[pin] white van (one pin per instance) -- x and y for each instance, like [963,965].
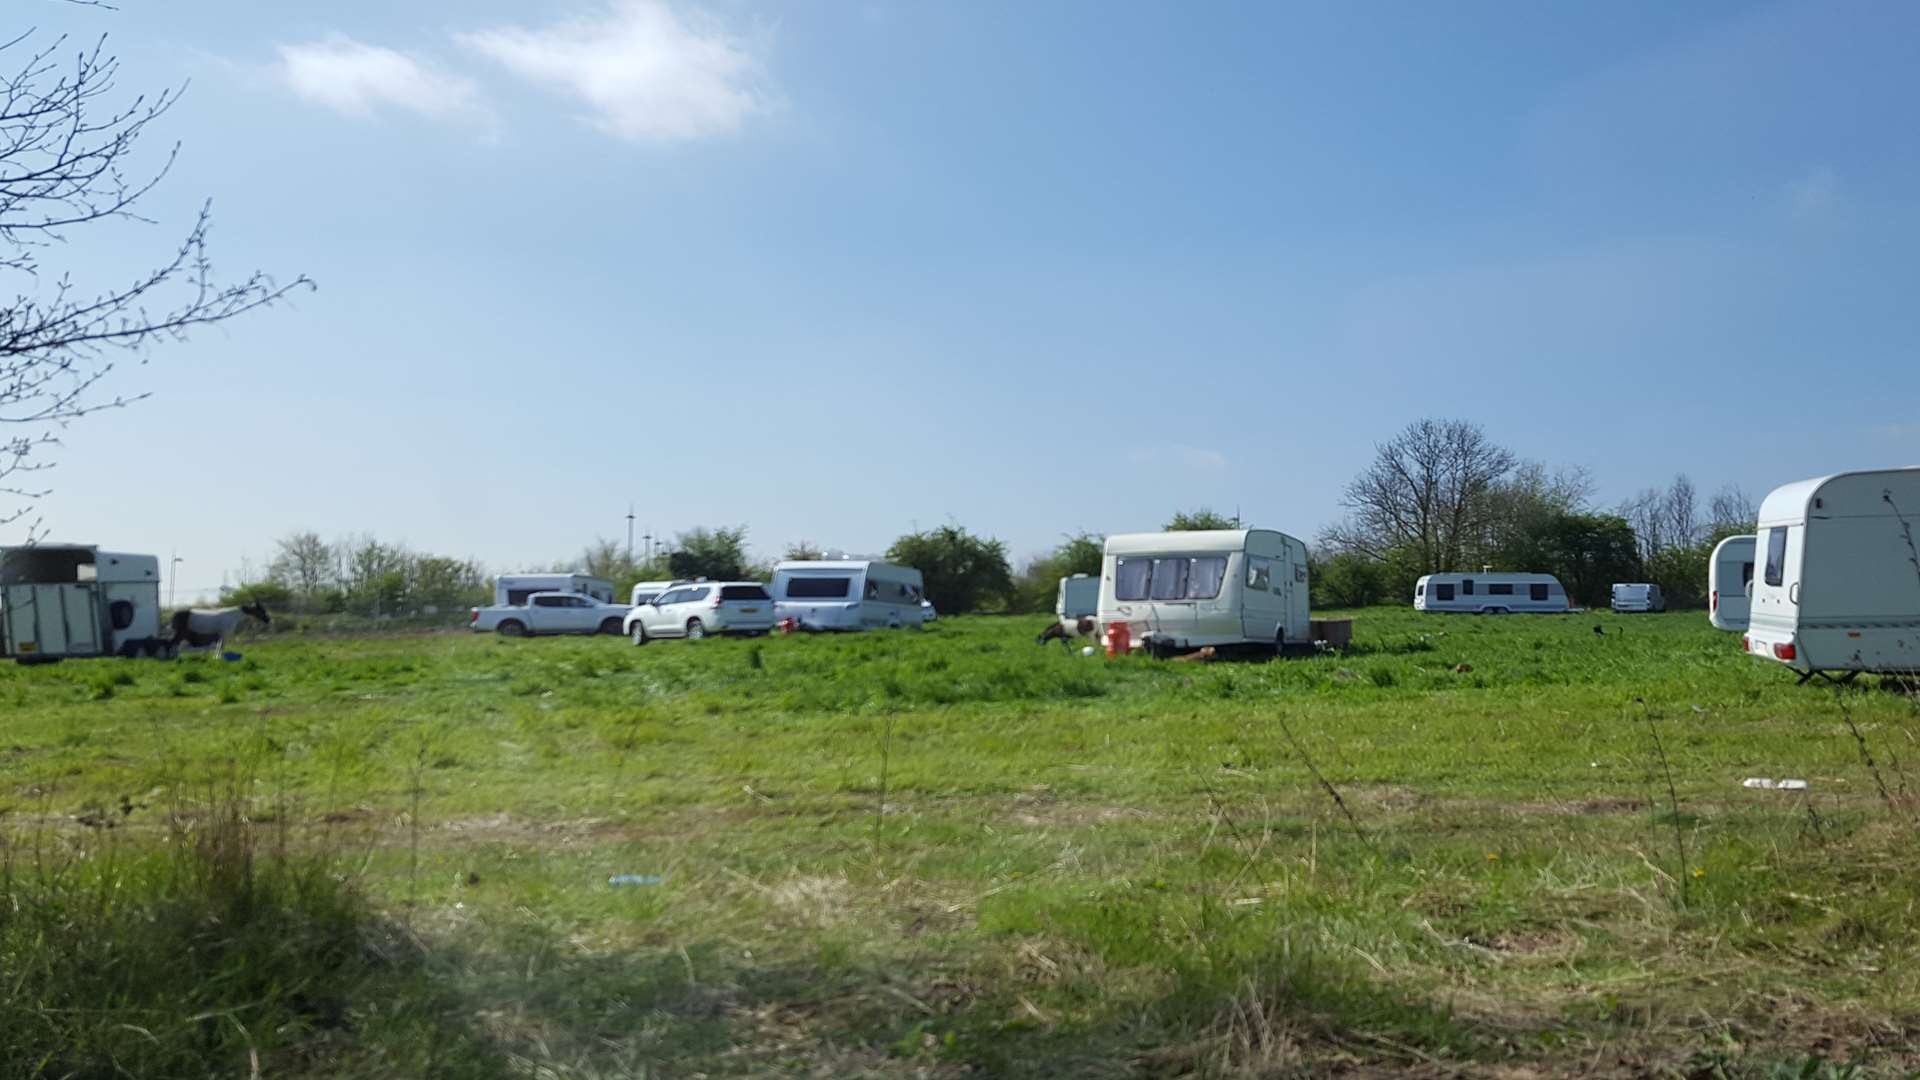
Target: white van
[1491,594]
[1637,597]
[1079,598]
[512,590]
[848,594]
[1730,583]
[1839,586]
[1185,590]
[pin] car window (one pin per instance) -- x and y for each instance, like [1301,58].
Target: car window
[700,593]
[671,596]
[549,601]
[1776,555]
[743,592]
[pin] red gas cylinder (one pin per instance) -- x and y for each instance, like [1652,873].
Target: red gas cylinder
[1119,639]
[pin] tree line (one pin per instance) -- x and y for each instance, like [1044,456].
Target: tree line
[361,575]
[1441,496]
[1438,496]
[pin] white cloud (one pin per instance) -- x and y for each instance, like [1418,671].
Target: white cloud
[648,73]
[354,78]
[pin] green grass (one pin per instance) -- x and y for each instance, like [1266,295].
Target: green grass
[923,854]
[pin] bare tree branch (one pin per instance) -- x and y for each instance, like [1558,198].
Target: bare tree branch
[63,149]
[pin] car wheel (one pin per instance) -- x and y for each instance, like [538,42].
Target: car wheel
[610,626]
[511,628]
[696,629]
[639,632]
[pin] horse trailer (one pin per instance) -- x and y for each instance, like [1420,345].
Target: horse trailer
[1178,591]
[848,594]
[1491,593]
[64,600]
[1730,582]
[1839,585]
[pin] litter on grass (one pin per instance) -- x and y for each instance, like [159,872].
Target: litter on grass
[1774,785]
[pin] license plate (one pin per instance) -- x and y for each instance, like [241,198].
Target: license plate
[749,611]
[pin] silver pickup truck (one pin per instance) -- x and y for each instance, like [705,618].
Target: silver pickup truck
[550,613]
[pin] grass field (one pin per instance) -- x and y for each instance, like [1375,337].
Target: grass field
[1469,846]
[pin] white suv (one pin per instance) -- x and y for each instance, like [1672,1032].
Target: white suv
[696,609]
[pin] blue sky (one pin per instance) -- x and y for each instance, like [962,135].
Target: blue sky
[833,270]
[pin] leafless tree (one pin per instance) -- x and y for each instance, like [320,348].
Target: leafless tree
[1680,507]
[1426,491]
[1732,510]
[304,563]
[1664,518]
[65,149]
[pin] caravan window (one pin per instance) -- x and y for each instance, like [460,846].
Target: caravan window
[1206,577]
[1746,574]
[1169,579]
[1131,578]
[1500,589]
[1174,578]
[1443,590]
[1776,556]
[819,588]
[1259,574]
[1537,591]
[1420,589]
[1466,587]
[518,597]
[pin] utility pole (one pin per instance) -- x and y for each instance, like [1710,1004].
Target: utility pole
[173,572]
[629,532]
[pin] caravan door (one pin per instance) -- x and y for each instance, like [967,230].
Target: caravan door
[1269,588]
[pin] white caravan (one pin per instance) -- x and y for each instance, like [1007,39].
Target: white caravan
[62,600]
[1079,598]
[848,594]
[1839,586]
[1730,583]
[1186,590]
[1490,594]
[512,590]
[1634,597]
[646,591]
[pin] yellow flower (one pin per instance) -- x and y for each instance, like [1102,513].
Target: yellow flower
[1699,872]
[1493,856]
